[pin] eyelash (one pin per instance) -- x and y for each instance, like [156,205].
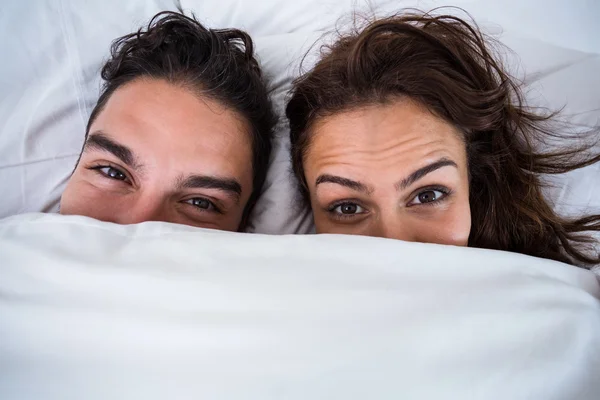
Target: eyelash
[335,205]
[97,169]
[215,208]
[447,193]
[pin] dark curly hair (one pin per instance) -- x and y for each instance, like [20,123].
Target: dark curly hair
[217,63]
[446,64]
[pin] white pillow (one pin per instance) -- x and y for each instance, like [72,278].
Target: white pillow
[50,82]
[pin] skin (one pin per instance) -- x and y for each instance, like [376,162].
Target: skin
[159,152]
[359,166]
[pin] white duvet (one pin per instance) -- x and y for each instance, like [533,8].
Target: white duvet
[91,310]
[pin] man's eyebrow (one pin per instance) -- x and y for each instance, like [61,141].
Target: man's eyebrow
[100,141]
[421,172]
[349,183]
[227,185]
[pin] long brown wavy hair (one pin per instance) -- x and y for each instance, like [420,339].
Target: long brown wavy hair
[448,65]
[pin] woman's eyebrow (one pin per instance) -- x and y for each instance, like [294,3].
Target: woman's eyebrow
[100,141]
[421,172]
[349,183]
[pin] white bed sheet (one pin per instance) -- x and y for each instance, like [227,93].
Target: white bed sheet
[91,310]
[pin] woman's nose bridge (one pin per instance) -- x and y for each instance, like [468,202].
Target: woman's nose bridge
[393,226]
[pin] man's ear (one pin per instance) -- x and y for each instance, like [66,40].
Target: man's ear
[244,222]
[81,152]
[247,211]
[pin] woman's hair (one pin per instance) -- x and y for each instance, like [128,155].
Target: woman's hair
[445,64]
[218,64]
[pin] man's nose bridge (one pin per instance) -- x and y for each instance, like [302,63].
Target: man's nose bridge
[147,207]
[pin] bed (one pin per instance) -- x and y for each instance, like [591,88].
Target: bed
[96,310]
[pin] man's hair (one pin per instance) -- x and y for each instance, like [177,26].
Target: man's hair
[217,63]
[444,63]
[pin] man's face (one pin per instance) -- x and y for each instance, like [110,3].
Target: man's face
[158,152]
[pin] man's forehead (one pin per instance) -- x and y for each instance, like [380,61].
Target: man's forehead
[139,151]
[172,119]
[156,106]
[157,125]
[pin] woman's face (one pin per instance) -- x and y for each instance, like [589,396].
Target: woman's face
[394,171]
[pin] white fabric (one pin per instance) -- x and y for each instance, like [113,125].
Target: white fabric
[53,50]
[91,310]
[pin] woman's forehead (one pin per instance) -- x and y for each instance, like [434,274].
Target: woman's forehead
[391,133]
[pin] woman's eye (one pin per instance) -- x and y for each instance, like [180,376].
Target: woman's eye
[428,196]
[348,209]
[202,203]
[113,173]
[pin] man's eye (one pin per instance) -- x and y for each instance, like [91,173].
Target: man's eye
[202,203]
[427,196]
[112,173]
[348,209]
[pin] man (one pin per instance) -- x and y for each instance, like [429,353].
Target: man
[181,132]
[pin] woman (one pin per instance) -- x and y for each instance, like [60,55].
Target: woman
[410,129]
